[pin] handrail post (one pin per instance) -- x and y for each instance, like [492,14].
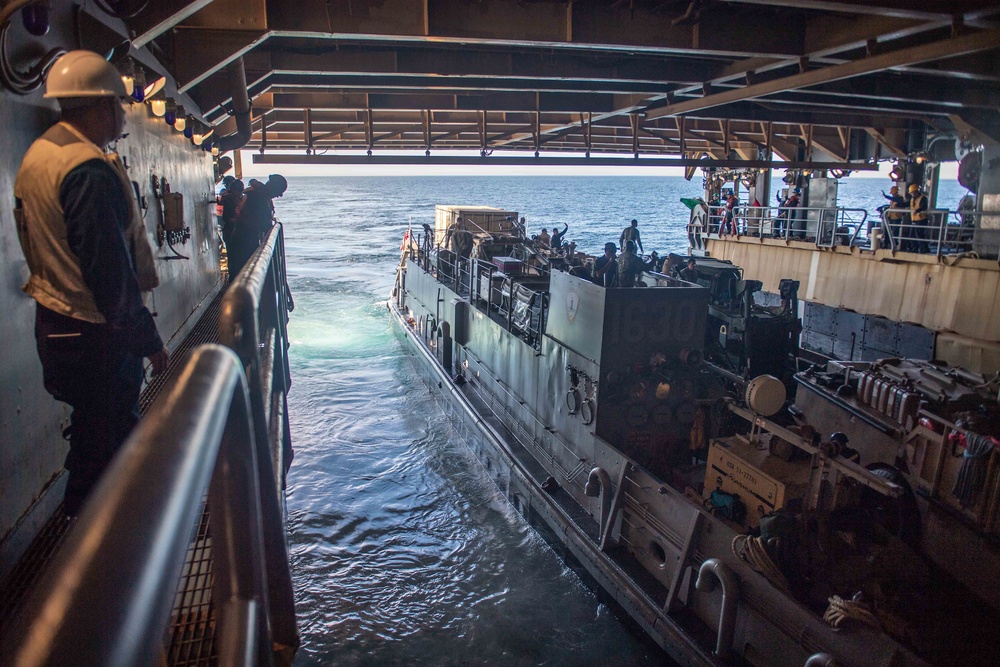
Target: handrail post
[713,570]
[239,586]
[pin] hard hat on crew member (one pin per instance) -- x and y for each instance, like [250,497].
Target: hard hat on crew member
[913,188]
[277,184]
[894,190]
[81,74]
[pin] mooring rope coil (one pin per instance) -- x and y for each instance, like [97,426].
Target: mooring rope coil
[841,610]
[751,551]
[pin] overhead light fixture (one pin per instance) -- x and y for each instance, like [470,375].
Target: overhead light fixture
[139,85]
[181,122]
[128,77]
[197,133]
[215,150]
[188,127]
[36,18]
[896,173]
[158,103]
[170,112]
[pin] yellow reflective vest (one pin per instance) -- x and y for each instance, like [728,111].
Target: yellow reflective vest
[915,200]
[56,280]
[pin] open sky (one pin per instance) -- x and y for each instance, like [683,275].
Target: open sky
[949,170]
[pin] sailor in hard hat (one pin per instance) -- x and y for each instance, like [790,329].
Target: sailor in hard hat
[89,258]
[918,220]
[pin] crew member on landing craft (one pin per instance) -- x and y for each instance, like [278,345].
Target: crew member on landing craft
[557,237]
[543,238]
[606,266]
[631,233]
[630,266]
[690,272]
[918,219]
[89,258]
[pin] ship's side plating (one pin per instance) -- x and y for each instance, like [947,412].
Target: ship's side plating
[637,536]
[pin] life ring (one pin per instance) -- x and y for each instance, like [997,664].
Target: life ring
[573,400]
[587,411]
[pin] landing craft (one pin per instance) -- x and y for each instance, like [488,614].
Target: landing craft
[819,89]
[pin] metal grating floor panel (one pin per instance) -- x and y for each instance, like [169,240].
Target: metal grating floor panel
[190,638]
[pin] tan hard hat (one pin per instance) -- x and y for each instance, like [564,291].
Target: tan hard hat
[913,188]
[894,189]
[83,74]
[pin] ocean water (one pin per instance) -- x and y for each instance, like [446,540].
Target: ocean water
[403,551]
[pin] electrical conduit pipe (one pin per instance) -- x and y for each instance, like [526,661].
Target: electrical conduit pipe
[237,76]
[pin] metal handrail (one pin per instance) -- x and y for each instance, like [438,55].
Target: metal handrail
[785,222]
[945,232]
[227,411]
[198,437]
[254,315]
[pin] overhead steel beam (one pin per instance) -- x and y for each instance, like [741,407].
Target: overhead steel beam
[494,160]
[329,56]
[199,53]
[911,9]
[989,39]
[159,17]
[462,83]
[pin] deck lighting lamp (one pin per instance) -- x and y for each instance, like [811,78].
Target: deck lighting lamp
[896,173]
[188,127]
[36,18]
[199,132]
[158,103]
[170,114]
[139,86]
[215,151]
[128,77]
[181,123]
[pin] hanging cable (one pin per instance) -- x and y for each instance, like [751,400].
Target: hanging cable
[115,8]
[22,83]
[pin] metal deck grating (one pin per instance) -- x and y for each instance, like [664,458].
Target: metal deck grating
[190,638]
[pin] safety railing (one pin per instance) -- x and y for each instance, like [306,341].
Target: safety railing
[942,233]
[220,428]
[824,226]
[109,593]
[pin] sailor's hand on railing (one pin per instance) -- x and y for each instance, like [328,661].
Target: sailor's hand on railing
[159,360]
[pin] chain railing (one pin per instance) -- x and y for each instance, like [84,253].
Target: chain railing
[220,429]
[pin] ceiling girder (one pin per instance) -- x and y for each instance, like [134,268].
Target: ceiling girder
[988,39]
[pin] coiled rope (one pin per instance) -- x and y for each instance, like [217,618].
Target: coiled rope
[751,551]
[841,610]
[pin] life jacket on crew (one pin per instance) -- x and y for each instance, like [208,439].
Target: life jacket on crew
[56,280]
[915,202]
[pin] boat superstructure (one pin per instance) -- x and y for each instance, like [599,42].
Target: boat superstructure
[593,410]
